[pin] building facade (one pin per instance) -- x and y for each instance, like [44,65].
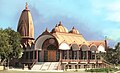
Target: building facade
[60,48]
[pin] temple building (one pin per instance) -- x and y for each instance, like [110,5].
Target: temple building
[59,49]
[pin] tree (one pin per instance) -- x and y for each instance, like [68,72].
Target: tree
[9,44]
[117,52]
[4,46]
[113,55]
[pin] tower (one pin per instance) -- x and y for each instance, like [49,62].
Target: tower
[25,26]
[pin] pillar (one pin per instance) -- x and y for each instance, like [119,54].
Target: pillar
[87,55]
[77,54]
[96,60]
[33,54]
[95,56]
[60,55]
[24,55]
[67,54]
[37,55]
[28,54]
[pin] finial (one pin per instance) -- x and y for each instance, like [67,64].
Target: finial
[73,27]
[26,7]
[46,29]
[106,37]
[56,25]
[60,23]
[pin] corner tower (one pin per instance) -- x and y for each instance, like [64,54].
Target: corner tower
[25,26]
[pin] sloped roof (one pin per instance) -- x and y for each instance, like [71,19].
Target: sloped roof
[97,43]
[66,40]
[70,38]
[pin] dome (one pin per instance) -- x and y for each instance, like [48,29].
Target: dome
[74,31]
[60,28]
[25,24]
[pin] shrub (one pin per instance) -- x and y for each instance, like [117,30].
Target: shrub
[101,70]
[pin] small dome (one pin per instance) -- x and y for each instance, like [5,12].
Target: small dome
[60,28]
[74,31]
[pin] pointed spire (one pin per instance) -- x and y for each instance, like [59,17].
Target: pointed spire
[26,7]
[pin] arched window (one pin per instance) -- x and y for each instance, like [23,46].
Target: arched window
[49,44]
[74,49]
[92,54]
[72,54]
[84,50]
[51,47]
[93,50]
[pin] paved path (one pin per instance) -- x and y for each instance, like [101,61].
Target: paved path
[53,71]
[117,72]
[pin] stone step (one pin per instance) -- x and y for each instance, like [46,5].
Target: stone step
[38,66]
[45,66]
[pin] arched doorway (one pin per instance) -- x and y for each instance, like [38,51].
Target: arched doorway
[51,53]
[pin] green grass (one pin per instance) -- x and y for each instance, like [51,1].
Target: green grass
[102,70]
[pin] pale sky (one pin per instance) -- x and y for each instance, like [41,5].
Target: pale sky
[94,19]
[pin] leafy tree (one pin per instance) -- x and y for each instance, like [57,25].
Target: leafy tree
[9,44]
[113,55]
[4,46]
[117,50]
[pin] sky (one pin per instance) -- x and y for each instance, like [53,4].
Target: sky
[94,19]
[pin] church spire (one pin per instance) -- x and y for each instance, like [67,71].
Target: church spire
[26,6]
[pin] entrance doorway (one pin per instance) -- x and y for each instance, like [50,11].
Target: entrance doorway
[50,56]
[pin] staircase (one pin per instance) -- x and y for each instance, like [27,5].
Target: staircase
[107,64]
[37,66]
[53,66]
[45,66]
